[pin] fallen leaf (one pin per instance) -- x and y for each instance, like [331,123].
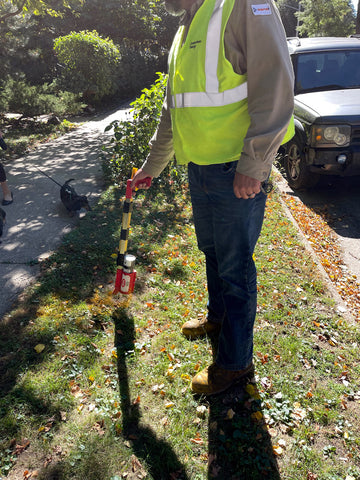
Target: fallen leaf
[252,391]
[257,416]
[311,476]
[201,411]
[278,450]
[40,347]
[164,421]
[230,414]
[137,467]
[137,400]
[198,440]
[21,447]
[63,416]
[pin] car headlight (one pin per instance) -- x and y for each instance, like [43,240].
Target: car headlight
[330,135]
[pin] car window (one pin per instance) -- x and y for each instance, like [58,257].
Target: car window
[327,70]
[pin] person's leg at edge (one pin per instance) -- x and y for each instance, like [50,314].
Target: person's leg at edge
[7,197]
[227,229]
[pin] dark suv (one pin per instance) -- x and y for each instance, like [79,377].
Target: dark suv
[327,110]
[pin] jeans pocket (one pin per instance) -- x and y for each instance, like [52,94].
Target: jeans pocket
[228,168]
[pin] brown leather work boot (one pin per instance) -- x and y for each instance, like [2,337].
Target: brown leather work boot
[199,327]
[214,379]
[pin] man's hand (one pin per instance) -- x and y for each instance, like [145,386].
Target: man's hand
[245,187]
[138,180]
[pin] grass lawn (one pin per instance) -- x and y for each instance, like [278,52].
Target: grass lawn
[94,386]
[24,134]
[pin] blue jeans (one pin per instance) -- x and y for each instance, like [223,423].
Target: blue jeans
[227,229]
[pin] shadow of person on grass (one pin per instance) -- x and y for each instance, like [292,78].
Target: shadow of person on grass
[240,446]
[161,461]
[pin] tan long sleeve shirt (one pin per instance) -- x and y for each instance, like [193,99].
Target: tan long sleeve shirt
[254,44]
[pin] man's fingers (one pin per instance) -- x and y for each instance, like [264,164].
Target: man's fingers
[246,187]
[141,180]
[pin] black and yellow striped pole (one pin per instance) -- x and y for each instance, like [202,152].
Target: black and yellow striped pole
[124,235]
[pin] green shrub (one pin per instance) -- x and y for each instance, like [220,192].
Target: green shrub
[90,64]
[4,101]
[130,144]
[18,96]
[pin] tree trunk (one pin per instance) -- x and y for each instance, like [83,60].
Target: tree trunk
[358,19]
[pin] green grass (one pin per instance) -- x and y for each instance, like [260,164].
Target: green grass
[108,395]
[25,134]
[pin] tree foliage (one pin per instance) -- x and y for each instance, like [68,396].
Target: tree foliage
[90,63]
[140,29]
[13,8]
[322,18]
[288,11]
[120,19]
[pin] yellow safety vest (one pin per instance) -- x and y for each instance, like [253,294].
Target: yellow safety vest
[208,100]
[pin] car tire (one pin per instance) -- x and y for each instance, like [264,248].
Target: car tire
[297,172]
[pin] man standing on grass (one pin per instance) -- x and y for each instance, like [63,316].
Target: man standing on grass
[228,108]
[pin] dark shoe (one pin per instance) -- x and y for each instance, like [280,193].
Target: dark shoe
[214,379]
[8,202]
[200,327]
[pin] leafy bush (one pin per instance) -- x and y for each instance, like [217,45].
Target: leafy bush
[130,144]
[18,96]
[90,64]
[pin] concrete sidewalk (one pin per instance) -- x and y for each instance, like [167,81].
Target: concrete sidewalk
[37,220]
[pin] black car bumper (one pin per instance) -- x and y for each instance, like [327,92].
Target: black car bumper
[334,161]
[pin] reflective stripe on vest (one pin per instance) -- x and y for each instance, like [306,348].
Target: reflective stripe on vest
[211,97]
[207,99]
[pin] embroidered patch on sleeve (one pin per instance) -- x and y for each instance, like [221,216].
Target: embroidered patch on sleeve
[263,9]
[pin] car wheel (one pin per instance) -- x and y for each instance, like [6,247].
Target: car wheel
[297,172]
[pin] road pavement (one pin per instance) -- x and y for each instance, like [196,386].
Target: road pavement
[37,220]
